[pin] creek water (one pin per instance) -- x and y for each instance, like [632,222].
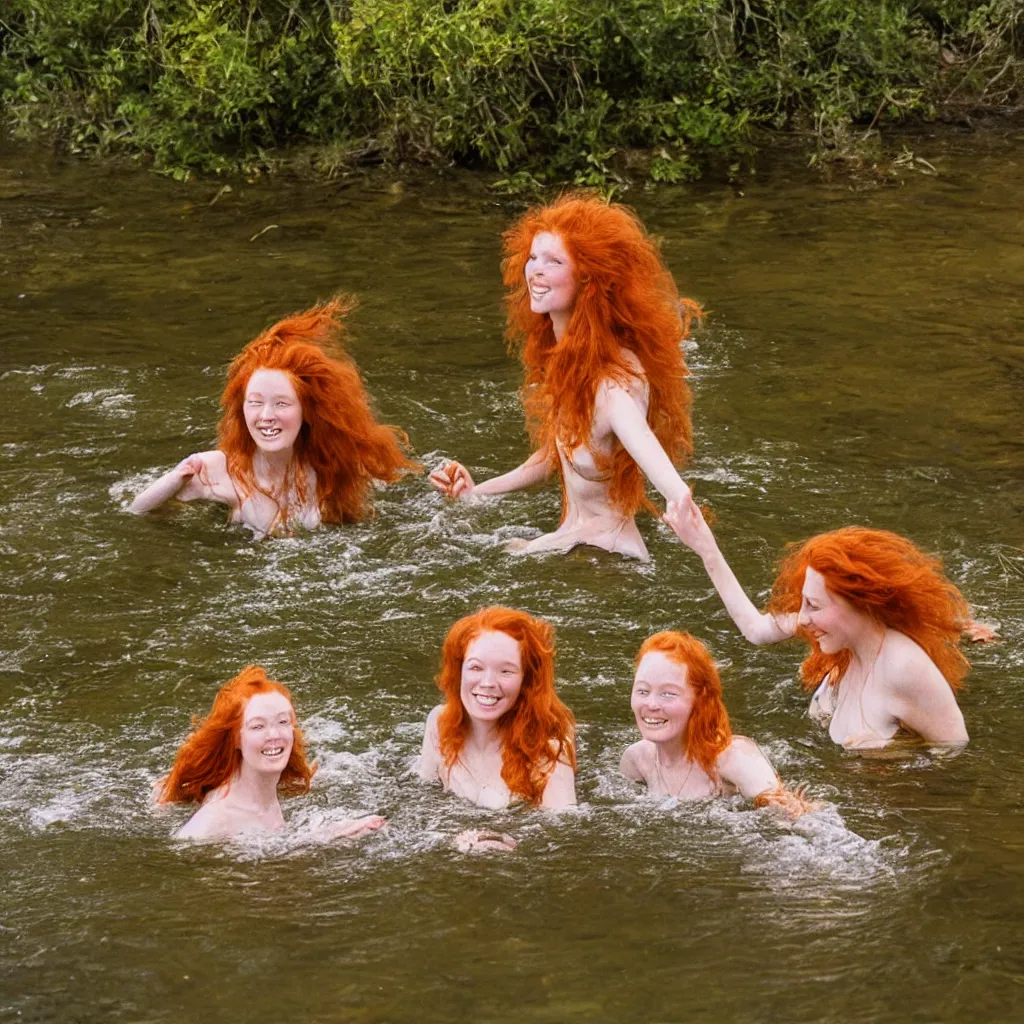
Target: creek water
[862,363]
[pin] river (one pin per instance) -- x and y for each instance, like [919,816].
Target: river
[862,362]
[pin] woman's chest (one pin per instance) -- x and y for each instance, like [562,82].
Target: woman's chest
[479,784]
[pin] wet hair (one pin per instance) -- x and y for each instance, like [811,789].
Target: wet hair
[887,578]
[210,756]
[708,732]
[340,439]
[537,731]
[626,300]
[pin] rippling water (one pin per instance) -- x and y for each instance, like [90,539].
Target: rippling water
[862,364]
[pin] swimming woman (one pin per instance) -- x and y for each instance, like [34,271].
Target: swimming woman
[297,441]
[240,759]
[688,750]
[883,624]
[599,325]
[502,734]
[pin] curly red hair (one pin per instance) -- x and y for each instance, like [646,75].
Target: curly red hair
[886,577]
[210,756]
[708,732]
[627,299]
[340,439]
[538,731]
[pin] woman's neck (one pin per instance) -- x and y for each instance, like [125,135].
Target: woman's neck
[255,790]
[559,322]
[483,737]
[866,646]
[273,467]
[671,754]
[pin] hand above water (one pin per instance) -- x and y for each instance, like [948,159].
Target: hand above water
[688,523]
[452,480]
[353,827]
[192,465]
[476,840]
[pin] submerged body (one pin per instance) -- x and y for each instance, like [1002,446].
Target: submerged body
[688,750]
[298,442]
[601,325]
[871,678]
[502,734]
[240,759]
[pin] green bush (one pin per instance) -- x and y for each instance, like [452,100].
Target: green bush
[535,89]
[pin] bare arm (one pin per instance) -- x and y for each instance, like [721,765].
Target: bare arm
[923,701]
[630,764]
[429,765]
[454,480]
[193,478]
[629,424]
[744,765]
[560,790]
[758,627]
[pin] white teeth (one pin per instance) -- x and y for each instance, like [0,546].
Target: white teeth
[273,751]
[655,721]
[486,699]
[270,431]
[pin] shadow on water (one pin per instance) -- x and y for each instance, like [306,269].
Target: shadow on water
[862,364]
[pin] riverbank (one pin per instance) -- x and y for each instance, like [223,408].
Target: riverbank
[539,92]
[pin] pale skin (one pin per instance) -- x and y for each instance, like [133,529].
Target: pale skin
[662,703]
[249,802]
[890,685]
[620,415]
[273,415]
[491,681]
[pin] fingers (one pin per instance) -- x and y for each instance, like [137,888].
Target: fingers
[478,841]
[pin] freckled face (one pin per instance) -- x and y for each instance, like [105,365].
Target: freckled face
[829,618]
[662,699]
[492,675]
[273,412]
[267,732]
[551,276]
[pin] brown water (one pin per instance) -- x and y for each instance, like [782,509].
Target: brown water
[862,364]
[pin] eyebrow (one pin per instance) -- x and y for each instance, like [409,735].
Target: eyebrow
[263,718]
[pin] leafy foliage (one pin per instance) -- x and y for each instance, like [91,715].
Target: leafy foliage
[536,89]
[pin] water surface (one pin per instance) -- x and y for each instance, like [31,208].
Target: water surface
[862,363]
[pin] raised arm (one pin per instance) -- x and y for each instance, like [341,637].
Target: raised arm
[454,481]
[758,627]
[195,477]
[629,424]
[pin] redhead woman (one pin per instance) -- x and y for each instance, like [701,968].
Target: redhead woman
[297,441]
[881,619]
[599,325]
[245,754]
[502,734]
[688,750]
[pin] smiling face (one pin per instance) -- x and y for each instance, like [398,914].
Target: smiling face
[273,412]
[829,618]
[267,733]
[492,676]
[551,277]
[662,699]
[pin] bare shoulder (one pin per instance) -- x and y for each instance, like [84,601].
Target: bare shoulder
[906,667]
[211,821]
[637,761]
[741,752]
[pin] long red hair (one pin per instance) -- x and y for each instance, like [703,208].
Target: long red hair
[887,578]
[537,731]
[708,732]
[627,299]
[210,756]
[340,439]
